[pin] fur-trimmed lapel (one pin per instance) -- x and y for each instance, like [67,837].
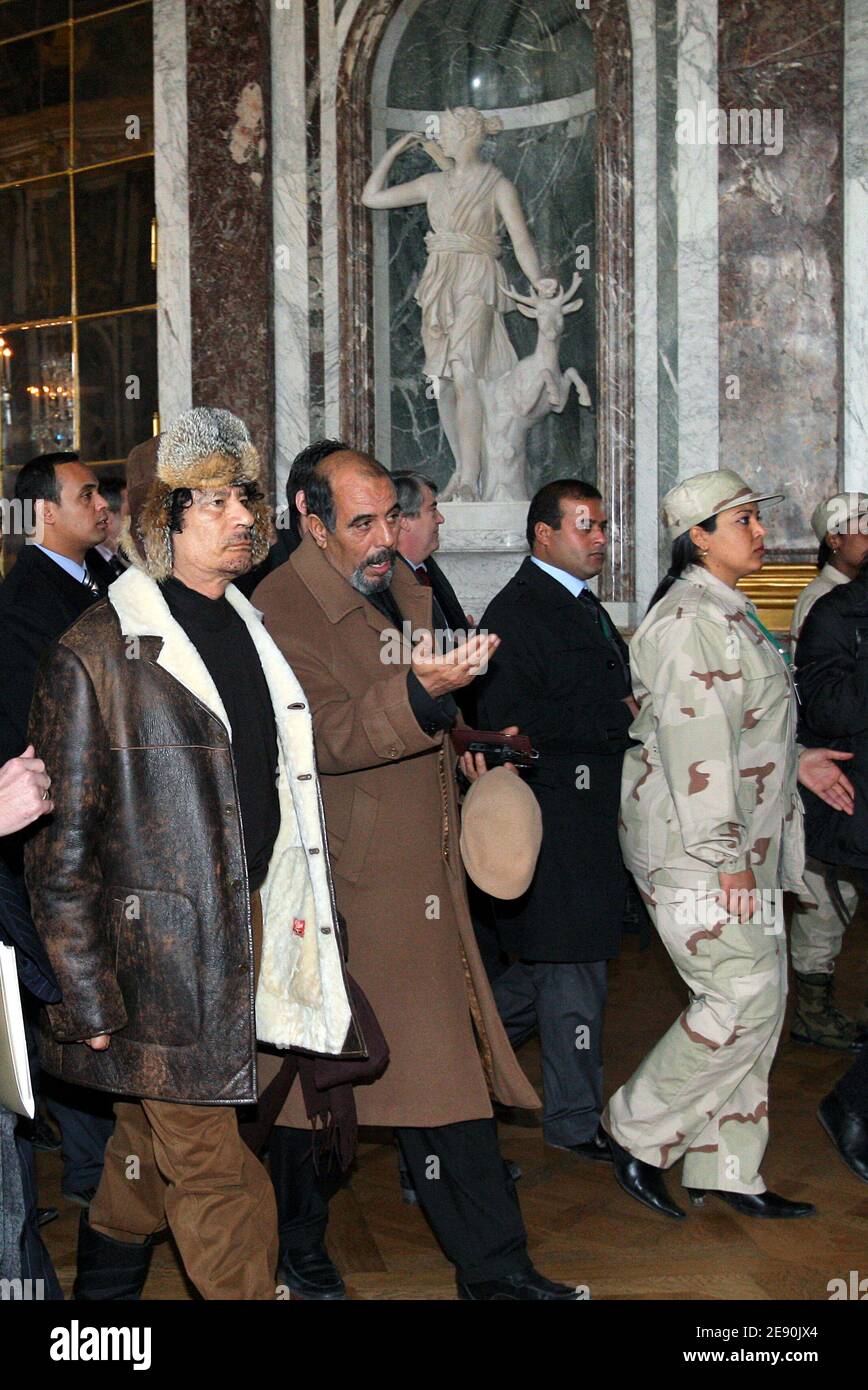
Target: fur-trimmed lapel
[143,612]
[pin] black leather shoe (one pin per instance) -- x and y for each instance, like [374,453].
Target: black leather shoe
[528,1286]
[848,1132]
[311,1275]
[642,1181]
[765,1204]
[596,1149]
[109,1269]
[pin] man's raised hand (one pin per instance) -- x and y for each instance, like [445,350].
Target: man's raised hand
[440,675]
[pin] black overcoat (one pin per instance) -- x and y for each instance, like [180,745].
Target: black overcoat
[562,681]
[832,681]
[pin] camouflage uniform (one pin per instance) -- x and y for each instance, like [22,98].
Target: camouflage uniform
[816,930]
[711,786]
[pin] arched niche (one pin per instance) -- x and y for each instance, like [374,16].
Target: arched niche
[375,22]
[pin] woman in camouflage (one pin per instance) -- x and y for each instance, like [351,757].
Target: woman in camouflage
[711,829]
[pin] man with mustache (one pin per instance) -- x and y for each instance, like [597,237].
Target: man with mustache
[562,675]
[381,724]
[186,847]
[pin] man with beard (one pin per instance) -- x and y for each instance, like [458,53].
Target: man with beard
[381,723]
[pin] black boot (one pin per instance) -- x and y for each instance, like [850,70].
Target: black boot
[302,1197]
[109,1270]
[848,1132]
[643,1181]
[768,1205]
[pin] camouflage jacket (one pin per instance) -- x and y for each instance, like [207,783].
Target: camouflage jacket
[711,785]
[827,580]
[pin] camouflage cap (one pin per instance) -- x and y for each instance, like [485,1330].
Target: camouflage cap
[835,512]
[704,495]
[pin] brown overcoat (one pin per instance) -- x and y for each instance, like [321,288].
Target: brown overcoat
[392,822]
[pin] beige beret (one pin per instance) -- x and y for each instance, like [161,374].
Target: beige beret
[501,833]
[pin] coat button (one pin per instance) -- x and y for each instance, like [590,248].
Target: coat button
[313,851]
[611,665]
[326,931]
[297,705]
[228,809]
[305,776]
[393,752]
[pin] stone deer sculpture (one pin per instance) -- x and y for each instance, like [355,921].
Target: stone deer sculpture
[525,394]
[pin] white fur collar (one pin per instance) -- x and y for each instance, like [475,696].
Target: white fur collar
[143,612]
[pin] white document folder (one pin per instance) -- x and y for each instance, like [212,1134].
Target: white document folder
[16,1092]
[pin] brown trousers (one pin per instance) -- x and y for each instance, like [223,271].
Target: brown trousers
[185,1167]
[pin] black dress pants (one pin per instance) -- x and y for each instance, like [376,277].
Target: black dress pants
[564,1002]
[460,1178]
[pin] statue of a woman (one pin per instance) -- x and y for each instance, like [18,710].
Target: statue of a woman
[461,292]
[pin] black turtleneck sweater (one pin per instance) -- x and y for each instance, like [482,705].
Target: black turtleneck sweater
[221,638]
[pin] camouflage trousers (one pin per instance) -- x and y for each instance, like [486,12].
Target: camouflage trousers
[816,930]
[702,1092]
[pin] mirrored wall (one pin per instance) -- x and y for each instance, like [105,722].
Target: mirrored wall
[77,229]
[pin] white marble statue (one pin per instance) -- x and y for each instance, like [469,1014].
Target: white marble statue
[525,394]
[463,292]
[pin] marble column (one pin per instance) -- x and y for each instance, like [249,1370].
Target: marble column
[614,64]
[666,56]
[292,296]
[855,245]
[174,360]
[781,253]
[228,100]
[696,182]
[645,252]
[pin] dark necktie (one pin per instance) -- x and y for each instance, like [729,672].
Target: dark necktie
[601,618]
[423,576]
[116,566]
[90,583]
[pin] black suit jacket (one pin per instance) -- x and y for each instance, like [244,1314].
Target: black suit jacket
[562,681]
[832,680]
[450,605]
[38,602]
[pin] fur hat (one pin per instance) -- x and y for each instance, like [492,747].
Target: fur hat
[203,448]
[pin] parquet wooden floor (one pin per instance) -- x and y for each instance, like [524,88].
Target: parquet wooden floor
[582,1228]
